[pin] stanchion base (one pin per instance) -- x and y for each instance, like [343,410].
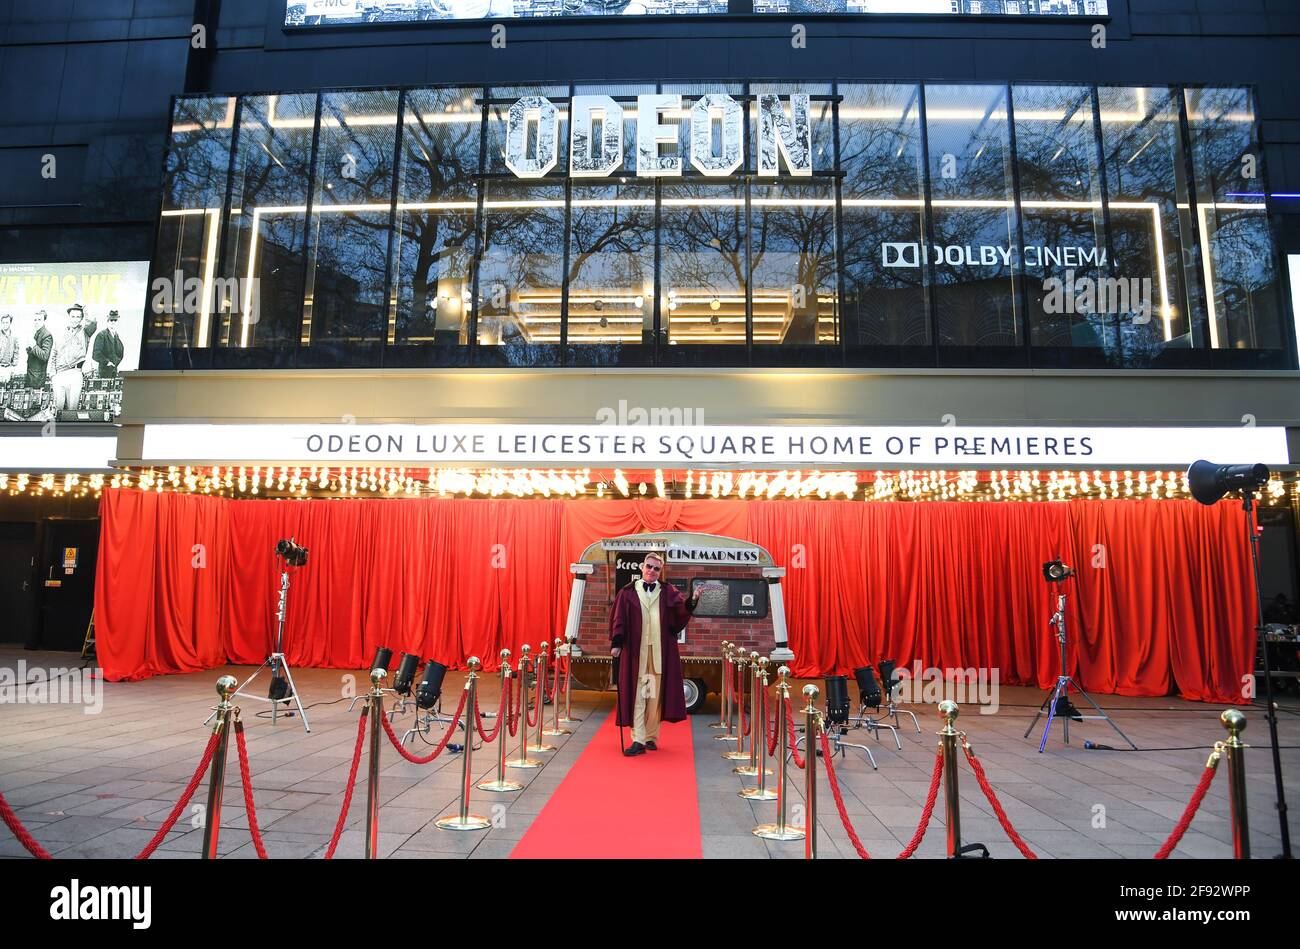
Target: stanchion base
[557,731]
[754,794]
[750,772]
[736,755]
[724,737]
[773,832]
[469,822]
[541,748]
[717,725]
[569,721]
[499,786]
[523,763]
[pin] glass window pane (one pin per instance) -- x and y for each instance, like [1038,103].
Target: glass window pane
[612,264]
[268,211]
[1239,261]
[194,193]
[882,198]
[975,253]
[612,252]
[1149,221]
[702,260]
[436,201]
[347,249]
[792,234]
[1062,220]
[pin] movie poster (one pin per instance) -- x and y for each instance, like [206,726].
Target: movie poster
[67,333]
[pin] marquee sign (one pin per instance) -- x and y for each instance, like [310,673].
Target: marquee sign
[596,135]
[701,446]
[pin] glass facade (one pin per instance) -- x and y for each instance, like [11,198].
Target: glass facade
[729,224]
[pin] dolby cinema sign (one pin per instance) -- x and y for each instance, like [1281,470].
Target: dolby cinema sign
[596,135]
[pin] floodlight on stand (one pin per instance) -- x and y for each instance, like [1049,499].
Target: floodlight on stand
[1054,571]
[383,658]
[1210,482]
[405,673]
[430,689]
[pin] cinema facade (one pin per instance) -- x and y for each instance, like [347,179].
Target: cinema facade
[387,264]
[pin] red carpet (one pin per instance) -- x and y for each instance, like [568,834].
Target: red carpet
[609,806]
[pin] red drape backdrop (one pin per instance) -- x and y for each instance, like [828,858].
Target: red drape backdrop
[1163,602]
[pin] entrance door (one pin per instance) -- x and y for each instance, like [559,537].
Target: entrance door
[17,582]
[68,582]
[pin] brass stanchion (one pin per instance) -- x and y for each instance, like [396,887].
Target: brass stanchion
[738,701]
[948,742]
[756,725]
[568,683]
[540,699]
[1235,722]
[375,705]
[722,707]
[811,725]
[555,728]
[501,785]
[226,715]
[523,761]
[781,830]
[464,820]
[762,792]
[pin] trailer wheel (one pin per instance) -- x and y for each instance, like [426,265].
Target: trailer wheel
[696,692]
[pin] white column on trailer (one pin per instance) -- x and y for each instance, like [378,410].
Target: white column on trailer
[776,604]
[580,573]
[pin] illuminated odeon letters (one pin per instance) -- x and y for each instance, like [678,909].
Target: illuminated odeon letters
[597,154]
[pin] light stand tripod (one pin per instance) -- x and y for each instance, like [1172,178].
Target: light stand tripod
[1058,700]
[276,662]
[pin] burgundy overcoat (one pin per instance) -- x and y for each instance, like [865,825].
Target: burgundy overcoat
[625,633]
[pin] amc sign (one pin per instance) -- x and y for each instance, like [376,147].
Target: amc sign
[596,135]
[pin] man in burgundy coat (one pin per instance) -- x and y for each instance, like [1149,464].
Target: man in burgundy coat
[646,617]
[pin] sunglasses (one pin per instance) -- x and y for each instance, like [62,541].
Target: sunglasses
[650,566]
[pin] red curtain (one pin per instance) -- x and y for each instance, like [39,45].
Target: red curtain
[1162,602]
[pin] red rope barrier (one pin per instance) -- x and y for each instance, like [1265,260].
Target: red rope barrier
[188,793]
[512,713]
[772,726]
[352,780]
[478,719]
[249,810]
[22,833]
[744,722]
[839,800]
[996,804]
[530,715]
[789,721]
[928,811]
[451,728]
[1211,769]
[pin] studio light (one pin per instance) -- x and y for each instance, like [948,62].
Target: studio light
[383,658]
[1054,571]
[294,555]
[430,690]
[837,699]
[1209,482]
[406,673]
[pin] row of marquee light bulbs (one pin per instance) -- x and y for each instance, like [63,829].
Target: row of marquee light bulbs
[940,485]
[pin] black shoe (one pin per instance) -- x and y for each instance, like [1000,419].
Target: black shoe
[651,746]
[636,748]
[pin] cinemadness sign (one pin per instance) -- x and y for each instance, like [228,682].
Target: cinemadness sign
[649,446]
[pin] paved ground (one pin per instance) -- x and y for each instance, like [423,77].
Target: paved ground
[99,785]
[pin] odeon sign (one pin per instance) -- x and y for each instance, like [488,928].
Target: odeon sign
[595,154]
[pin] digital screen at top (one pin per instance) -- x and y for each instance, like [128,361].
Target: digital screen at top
[308,13]
[313,13]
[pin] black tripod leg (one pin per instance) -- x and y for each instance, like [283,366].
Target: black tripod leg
[1042,708]
[1109,720]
